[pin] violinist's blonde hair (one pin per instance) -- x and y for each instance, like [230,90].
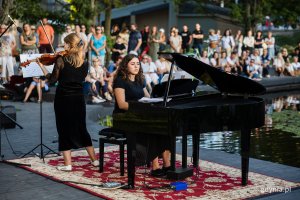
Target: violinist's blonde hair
[75,53]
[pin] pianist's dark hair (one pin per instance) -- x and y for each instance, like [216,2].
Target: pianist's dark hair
[123,69]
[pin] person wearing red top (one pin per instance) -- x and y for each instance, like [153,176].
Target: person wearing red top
[44,45]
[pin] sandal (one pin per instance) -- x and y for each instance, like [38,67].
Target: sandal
[66,168]
[95,163]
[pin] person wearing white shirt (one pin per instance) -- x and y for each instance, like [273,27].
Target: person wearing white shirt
[163,66]
[149,71]
[279,64]
[248,41]
[296,65]
[270,42]
[252,70]
[227,42]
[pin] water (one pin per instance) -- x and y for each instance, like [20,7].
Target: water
[268,142]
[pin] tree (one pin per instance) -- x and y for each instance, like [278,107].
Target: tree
[6,7]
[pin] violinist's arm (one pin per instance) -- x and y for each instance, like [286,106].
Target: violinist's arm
[56,69]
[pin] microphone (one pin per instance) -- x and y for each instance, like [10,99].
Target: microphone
[19,29]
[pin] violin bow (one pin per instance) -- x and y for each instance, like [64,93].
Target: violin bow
[47,36]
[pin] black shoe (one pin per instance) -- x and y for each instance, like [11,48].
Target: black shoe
[166,169]
[157,173]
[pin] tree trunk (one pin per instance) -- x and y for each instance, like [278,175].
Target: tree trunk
[254,16]
[107,33]
[248,16]
[93,7]
[6,6]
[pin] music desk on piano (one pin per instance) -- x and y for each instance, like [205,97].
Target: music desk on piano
[234,108]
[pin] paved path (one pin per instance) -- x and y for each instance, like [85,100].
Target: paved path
[17,184]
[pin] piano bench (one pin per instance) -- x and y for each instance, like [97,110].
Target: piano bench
[111,136]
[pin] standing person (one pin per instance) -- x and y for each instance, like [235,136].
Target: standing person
[44,45]
[239,42]
[162,40]
[213,39]
[98,44]
[135,39]
[187,39]
[124,34]
[8,43]
[67,32]
[227,42]
[28,40]
[119,49]
[175,41]
[258,42]
[129,85]
[92,30]
[248,42]
[145,34]
[83,37]
[69,105]
[198,36]
[153,41]
[270,42]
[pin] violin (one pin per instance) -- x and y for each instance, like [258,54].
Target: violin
[45,59]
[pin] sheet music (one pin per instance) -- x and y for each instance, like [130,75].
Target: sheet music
[33,69]
[152,100]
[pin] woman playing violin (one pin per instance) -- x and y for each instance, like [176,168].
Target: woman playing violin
[70,70]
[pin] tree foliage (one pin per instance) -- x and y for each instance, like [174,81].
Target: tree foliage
[280,12]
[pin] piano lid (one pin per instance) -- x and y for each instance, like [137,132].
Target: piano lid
[222,81]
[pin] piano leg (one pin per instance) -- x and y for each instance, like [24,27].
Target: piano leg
[131,157]
[245,148]
[184,151]
[196,138]
[173,153]
[183,172]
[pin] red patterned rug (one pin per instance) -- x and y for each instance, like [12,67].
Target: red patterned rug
[212,181]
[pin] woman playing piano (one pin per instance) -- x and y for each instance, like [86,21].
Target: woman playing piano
[129,85]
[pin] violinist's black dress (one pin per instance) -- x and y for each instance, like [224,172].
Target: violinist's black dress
[69,105]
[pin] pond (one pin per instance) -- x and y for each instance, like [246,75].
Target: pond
[278,141]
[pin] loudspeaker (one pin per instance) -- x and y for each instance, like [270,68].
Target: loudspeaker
[5,122]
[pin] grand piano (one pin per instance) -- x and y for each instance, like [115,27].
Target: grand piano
[233,108]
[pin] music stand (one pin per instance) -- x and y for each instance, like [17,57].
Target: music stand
[41,145]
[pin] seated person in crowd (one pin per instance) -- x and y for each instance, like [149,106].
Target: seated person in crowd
[265,68]
[223,60]
[296,65]
[279,64]
[110,73]
[234,63]
[163,66]
[289,69]
[204,57]
[149,71]
[252,70]
[214,60]
[96,74]
[37,83]
[129,85]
